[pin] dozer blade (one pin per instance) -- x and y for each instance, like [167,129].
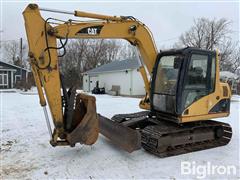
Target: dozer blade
[85,126]
[122,136]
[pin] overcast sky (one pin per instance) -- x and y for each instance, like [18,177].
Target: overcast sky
[167,21]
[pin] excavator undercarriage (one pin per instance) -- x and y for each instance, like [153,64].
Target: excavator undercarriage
[163,138]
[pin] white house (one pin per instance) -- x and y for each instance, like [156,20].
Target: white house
[124,74]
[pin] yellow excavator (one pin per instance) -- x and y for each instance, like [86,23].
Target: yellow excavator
[182,96]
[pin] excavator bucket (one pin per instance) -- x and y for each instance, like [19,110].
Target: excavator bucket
[84,125]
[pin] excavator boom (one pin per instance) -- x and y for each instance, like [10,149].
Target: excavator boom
[42,39]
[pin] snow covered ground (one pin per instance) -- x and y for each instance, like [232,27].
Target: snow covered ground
[26,153]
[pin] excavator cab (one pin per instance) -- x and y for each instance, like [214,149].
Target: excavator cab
[185,94]
[184,78]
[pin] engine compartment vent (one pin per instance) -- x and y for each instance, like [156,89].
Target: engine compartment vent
[225,91]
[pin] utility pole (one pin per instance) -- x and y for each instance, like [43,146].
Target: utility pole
[21,56]
[212,38]
[1,31]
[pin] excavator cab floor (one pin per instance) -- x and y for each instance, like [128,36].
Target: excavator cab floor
[163,138]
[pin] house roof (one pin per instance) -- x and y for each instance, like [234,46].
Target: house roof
[115,66]
[14,66]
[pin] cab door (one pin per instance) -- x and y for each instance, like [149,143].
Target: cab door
[199,81]
[165,82]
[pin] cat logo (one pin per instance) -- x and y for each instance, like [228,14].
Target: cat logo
[92,31]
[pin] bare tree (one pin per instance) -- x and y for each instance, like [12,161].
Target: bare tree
[230,54]
[127,51]
[11,51]
[212,34]
[236,60]
[83,55]
[206,34]
[113,49]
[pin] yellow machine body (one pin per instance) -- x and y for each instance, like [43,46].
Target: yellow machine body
[42,38]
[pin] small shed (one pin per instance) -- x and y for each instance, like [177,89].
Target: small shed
[123,74]
[10,74]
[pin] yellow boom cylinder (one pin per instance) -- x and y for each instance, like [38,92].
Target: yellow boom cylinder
[96,16]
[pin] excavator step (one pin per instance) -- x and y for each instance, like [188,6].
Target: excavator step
[163,138]
[124,117]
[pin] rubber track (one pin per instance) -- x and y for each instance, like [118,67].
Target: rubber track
[153,133]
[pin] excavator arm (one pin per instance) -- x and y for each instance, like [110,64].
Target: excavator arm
[78,124]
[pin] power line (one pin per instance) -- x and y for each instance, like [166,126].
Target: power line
[10,40]
[165,40]
[3,41]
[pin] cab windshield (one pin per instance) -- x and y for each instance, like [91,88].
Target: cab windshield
[167,74]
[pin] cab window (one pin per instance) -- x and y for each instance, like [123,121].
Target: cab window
[197,72]
[167,75]
[199,79]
